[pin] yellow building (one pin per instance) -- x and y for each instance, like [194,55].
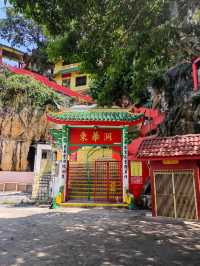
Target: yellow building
[70,76]
[9,55]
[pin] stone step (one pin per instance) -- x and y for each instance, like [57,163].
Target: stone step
[84,197]
[82,187]
[91,197]
[97,184]
[103,195]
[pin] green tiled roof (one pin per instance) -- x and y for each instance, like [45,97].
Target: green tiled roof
[70,70]
[67,70]
[96,116]
[57,136]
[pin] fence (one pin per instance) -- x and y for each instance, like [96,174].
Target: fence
[5,187]
[16,181]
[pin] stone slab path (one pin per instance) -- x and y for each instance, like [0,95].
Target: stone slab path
[73,236]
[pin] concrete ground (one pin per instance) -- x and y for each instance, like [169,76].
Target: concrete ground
[74,236]
[13,197]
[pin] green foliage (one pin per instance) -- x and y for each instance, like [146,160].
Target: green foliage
[57,48]
[123,44]
[19,31]
[17,91]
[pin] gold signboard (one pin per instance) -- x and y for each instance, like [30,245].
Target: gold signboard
[170,161]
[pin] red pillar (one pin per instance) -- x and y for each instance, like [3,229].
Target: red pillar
[195,76]
[197,186]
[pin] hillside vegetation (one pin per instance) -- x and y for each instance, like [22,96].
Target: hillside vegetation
[23,106]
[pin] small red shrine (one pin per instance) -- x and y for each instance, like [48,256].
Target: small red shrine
[175,175]
[94,131]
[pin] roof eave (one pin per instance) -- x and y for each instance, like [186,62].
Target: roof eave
[95,123]
[182,157]
[11,49]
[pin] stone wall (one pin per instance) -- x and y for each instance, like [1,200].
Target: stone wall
[18,131]
[175,96]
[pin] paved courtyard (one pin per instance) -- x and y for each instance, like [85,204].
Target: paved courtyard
[14,198]
[39,236]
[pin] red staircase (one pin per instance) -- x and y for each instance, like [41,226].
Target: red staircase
[80,182]
[155,119]
[51,84]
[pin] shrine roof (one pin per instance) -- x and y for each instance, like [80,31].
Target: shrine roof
[185,146]
[96,116]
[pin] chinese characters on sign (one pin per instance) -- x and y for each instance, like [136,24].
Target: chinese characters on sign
[125,159]
[136,172]
[83,137]
[95,136]
[64,161]
[64,152]
[108,136]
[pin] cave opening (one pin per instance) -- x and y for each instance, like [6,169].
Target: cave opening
[31,157]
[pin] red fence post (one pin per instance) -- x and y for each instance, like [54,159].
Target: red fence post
[195,76]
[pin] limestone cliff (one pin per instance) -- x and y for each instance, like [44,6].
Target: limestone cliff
[174,94]
[23,106]
[18,131]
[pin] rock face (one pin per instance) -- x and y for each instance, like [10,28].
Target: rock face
[18,132]
[24,103]
[175,96]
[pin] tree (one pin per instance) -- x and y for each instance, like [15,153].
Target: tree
[24,103]
[17,92]
[19,31]
[23,32]
[123,44]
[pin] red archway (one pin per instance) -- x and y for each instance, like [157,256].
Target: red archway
[96,128]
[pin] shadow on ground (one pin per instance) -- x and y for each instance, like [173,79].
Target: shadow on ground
[34,236]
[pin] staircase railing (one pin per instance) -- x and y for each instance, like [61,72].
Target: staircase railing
[41,185]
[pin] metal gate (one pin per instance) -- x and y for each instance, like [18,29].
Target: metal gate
[96,181]
[175,194]
[80,181]
[108,181]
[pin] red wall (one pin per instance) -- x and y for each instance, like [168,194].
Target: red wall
[183,165]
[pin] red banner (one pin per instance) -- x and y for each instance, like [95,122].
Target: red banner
[95,136]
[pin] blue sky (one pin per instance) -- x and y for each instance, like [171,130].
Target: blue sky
[2,9]
[3,15]
[2,41]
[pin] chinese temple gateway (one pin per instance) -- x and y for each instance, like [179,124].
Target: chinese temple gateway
[94,148]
